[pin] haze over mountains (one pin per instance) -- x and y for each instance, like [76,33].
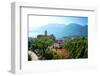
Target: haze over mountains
[62,30]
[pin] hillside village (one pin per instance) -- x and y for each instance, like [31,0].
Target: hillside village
[56,43]
[47,47]
[57,46]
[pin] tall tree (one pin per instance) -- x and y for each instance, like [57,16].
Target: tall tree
[42,43]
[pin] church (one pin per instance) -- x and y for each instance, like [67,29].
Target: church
[45,35]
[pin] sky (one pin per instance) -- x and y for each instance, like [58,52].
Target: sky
[36,22]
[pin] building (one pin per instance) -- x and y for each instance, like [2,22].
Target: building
[45,35]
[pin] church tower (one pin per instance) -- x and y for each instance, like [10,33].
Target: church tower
[45,32]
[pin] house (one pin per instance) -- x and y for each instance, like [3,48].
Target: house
[58,43]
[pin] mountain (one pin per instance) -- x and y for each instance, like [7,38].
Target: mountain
[62,30]
[74,29]
[53,28]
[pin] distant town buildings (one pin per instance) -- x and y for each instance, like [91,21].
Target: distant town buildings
[45,35]
[57,43]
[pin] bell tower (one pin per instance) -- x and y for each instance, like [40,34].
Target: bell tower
[45,32]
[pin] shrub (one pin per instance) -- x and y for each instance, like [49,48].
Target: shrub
[77,47]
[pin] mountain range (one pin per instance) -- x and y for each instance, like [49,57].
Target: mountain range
[63,30]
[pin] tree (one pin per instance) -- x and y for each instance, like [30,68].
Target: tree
[78,47]
[42,44]
[53,37]
[29,43]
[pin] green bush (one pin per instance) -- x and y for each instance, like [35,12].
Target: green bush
[49,54]
[52,54]
[78,47]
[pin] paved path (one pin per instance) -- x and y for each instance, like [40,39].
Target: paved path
[33,55]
